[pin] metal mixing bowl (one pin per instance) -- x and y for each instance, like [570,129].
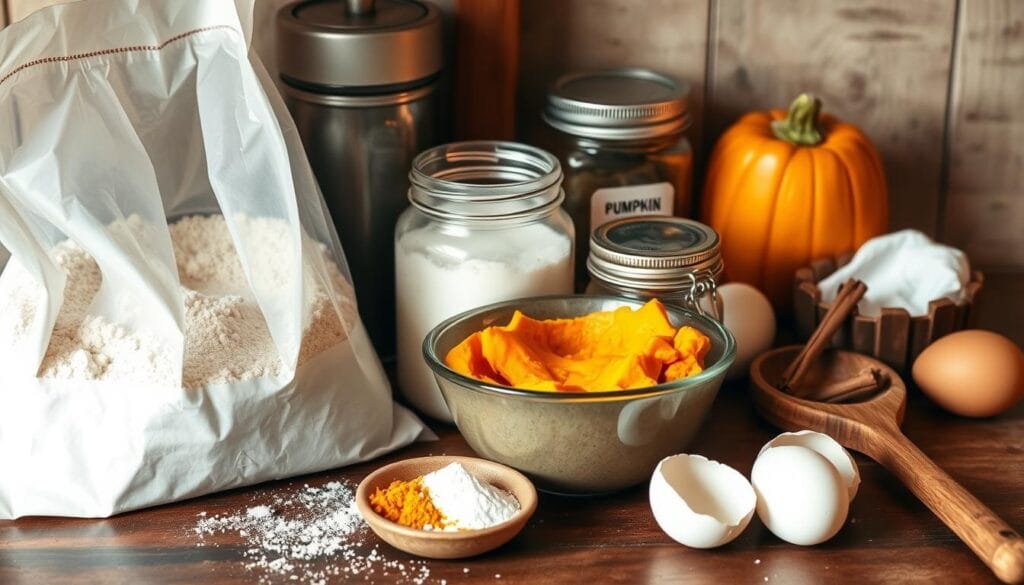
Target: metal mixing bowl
[577,443]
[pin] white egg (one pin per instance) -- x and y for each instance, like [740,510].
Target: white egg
[699,502]
[801,497]
[750,319]
[828,448]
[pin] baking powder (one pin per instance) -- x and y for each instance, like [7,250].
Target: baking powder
[467,502]
[436,281]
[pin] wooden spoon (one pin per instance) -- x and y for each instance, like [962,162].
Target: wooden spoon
[873,428]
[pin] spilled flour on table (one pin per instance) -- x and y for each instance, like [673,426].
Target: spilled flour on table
[315,536]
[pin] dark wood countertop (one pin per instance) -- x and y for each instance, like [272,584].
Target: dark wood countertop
[889,537]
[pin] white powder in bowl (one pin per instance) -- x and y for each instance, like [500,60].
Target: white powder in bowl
[226,335]
[467,502]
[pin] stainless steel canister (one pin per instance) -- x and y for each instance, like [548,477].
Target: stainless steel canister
[360,79]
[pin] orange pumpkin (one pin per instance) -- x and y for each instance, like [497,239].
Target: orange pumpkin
[783,189]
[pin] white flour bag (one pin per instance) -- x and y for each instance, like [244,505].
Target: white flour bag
[176,316]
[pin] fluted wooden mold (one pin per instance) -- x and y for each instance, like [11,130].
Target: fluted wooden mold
[893,337]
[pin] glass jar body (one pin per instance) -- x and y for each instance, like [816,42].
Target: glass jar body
[443,268]
[700,295]
[609,180]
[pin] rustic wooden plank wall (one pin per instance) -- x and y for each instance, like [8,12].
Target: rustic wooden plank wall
[985,199]
[568,35]
[485,81]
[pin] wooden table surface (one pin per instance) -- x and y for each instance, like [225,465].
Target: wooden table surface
[890,537]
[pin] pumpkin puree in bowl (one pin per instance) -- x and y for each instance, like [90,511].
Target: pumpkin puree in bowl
[607,350]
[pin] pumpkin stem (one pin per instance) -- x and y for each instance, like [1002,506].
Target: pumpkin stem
[800,126]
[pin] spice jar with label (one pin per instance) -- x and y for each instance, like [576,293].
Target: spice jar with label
[486,225]
[625,150]
[669,258]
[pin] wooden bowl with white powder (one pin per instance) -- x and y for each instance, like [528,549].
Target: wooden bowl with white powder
[893,336]
[444,544]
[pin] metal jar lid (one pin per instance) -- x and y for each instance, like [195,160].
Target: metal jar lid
[654,252]
[387,45]
[622,104]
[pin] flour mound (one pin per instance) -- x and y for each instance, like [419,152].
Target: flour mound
[226,335]
[467,502]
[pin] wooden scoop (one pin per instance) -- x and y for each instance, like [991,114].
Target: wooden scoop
[873,428]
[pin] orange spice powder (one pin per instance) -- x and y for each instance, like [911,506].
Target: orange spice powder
[408,503]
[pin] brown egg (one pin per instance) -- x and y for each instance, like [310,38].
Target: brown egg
[972,373]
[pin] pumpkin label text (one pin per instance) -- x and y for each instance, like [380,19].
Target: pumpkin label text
[617,202]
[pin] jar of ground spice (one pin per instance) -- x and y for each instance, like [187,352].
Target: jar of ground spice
[669,258]
[624,151]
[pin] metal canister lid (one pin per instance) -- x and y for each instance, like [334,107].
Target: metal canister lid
[389,45]
[655,242]
[622,104]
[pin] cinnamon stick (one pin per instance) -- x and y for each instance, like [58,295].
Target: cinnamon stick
[863,385]
[857,395]
[849,295]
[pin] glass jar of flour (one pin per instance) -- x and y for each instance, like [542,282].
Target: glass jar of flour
[486,225]
[673,259]
[623,148]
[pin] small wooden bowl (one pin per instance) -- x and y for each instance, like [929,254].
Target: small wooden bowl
[893,337]
[792,414]
[440,544]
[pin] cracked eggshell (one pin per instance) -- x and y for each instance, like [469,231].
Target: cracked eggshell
[699,502]
[800,496]
[828,448]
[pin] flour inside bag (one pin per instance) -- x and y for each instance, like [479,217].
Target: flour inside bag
[176,316]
